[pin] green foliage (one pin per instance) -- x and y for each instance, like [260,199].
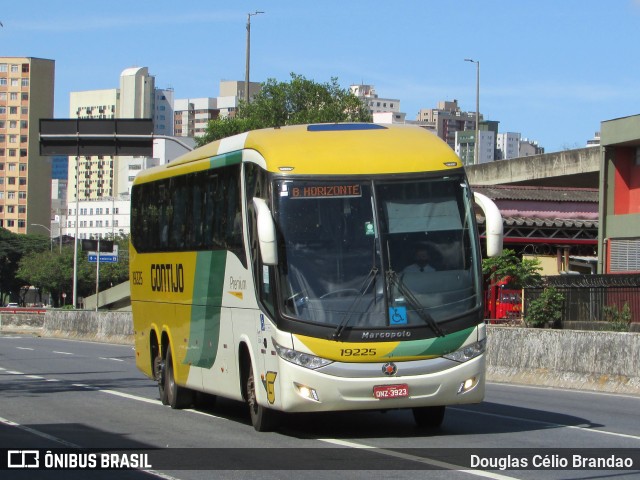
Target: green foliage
[13,247]
[53,271]
[299,101]
[546,309]
[618,320]
[522,272]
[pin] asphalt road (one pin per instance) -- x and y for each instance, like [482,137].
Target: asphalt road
[61,394]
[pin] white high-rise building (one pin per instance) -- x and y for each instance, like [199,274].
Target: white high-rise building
[192,115]
[163,112]
[377,105]
[105,178]
[508,145]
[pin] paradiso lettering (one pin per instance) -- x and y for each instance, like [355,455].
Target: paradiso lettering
[167,277]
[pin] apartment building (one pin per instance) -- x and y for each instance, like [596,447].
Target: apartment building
[507,145]
[191,115]
[383,110]
[447,119]
[465,146]
[163,112]
[26,96]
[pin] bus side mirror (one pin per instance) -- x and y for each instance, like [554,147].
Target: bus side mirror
[493,222]
[266,232]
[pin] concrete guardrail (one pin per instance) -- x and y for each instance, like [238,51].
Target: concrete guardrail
[588,360]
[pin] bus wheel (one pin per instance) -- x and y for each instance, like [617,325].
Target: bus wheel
[429,417]
[159,372]
[263,419]
[177,397]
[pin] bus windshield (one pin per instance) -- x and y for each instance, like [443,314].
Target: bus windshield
[376,253]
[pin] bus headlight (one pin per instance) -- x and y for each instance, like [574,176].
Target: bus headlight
[299,358]
[468,352]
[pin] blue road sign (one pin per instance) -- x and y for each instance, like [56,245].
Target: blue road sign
[93,258]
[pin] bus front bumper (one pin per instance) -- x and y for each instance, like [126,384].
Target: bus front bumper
[304,390]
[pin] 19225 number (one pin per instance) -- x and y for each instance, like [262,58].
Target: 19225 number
[357,352]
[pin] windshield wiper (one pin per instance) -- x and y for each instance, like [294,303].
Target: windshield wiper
[394,280]
[366,284]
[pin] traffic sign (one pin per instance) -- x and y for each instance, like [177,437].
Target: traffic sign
[93,258]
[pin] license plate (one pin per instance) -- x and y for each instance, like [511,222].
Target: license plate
[391,391]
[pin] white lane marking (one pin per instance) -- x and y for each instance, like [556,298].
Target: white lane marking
[145,400]
[63,353]
[567,390]
[415,458]
[12,372]
[129,396]
[35,377]
[38,433]
[110,358]
[548,424]
[82,385]
[25,348]
[72,445]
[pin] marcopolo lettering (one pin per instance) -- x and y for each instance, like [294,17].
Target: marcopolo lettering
[167,277]
[385,335]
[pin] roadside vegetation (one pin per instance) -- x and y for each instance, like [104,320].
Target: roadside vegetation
[296,102]
[32,261]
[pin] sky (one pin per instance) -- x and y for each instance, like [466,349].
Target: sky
[552,70]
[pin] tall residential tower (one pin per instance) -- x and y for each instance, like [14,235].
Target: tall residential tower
[26,96]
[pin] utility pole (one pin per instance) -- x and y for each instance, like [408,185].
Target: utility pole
[246,72]
[476,154]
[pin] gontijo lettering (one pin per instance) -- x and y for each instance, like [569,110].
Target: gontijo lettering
[167,277]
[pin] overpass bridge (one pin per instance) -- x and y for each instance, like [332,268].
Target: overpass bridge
[579,168]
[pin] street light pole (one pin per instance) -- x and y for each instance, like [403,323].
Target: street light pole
[476,153]
[75,239]
[246,71]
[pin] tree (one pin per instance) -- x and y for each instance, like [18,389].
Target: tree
[296,102]
[53,271]
[522,272]
[12,249]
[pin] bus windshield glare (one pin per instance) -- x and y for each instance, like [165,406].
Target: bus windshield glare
[377,253]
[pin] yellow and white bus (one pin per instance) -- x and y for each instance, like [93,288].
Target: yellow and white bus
[274,267]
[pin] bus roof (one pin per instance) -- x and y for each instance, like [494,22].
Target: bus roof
[333,149]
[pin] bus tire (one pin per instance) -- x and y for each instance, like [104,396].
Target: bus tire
[177,397]
[159,371]
[263,419]
[429,417]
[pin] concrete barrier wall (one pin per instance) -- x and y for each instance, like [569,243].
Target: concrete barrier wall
[116,327]
[602,361]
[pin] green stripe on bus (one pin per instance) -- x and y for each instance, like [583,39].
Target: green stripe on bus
[434,346]
[232,158]
[205,312]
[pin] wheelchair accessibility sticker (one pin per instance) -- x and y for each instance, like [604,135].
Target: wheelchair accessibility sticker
[397,315]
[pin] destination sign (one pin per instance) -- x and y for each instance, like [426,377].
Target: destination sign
[324,191]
